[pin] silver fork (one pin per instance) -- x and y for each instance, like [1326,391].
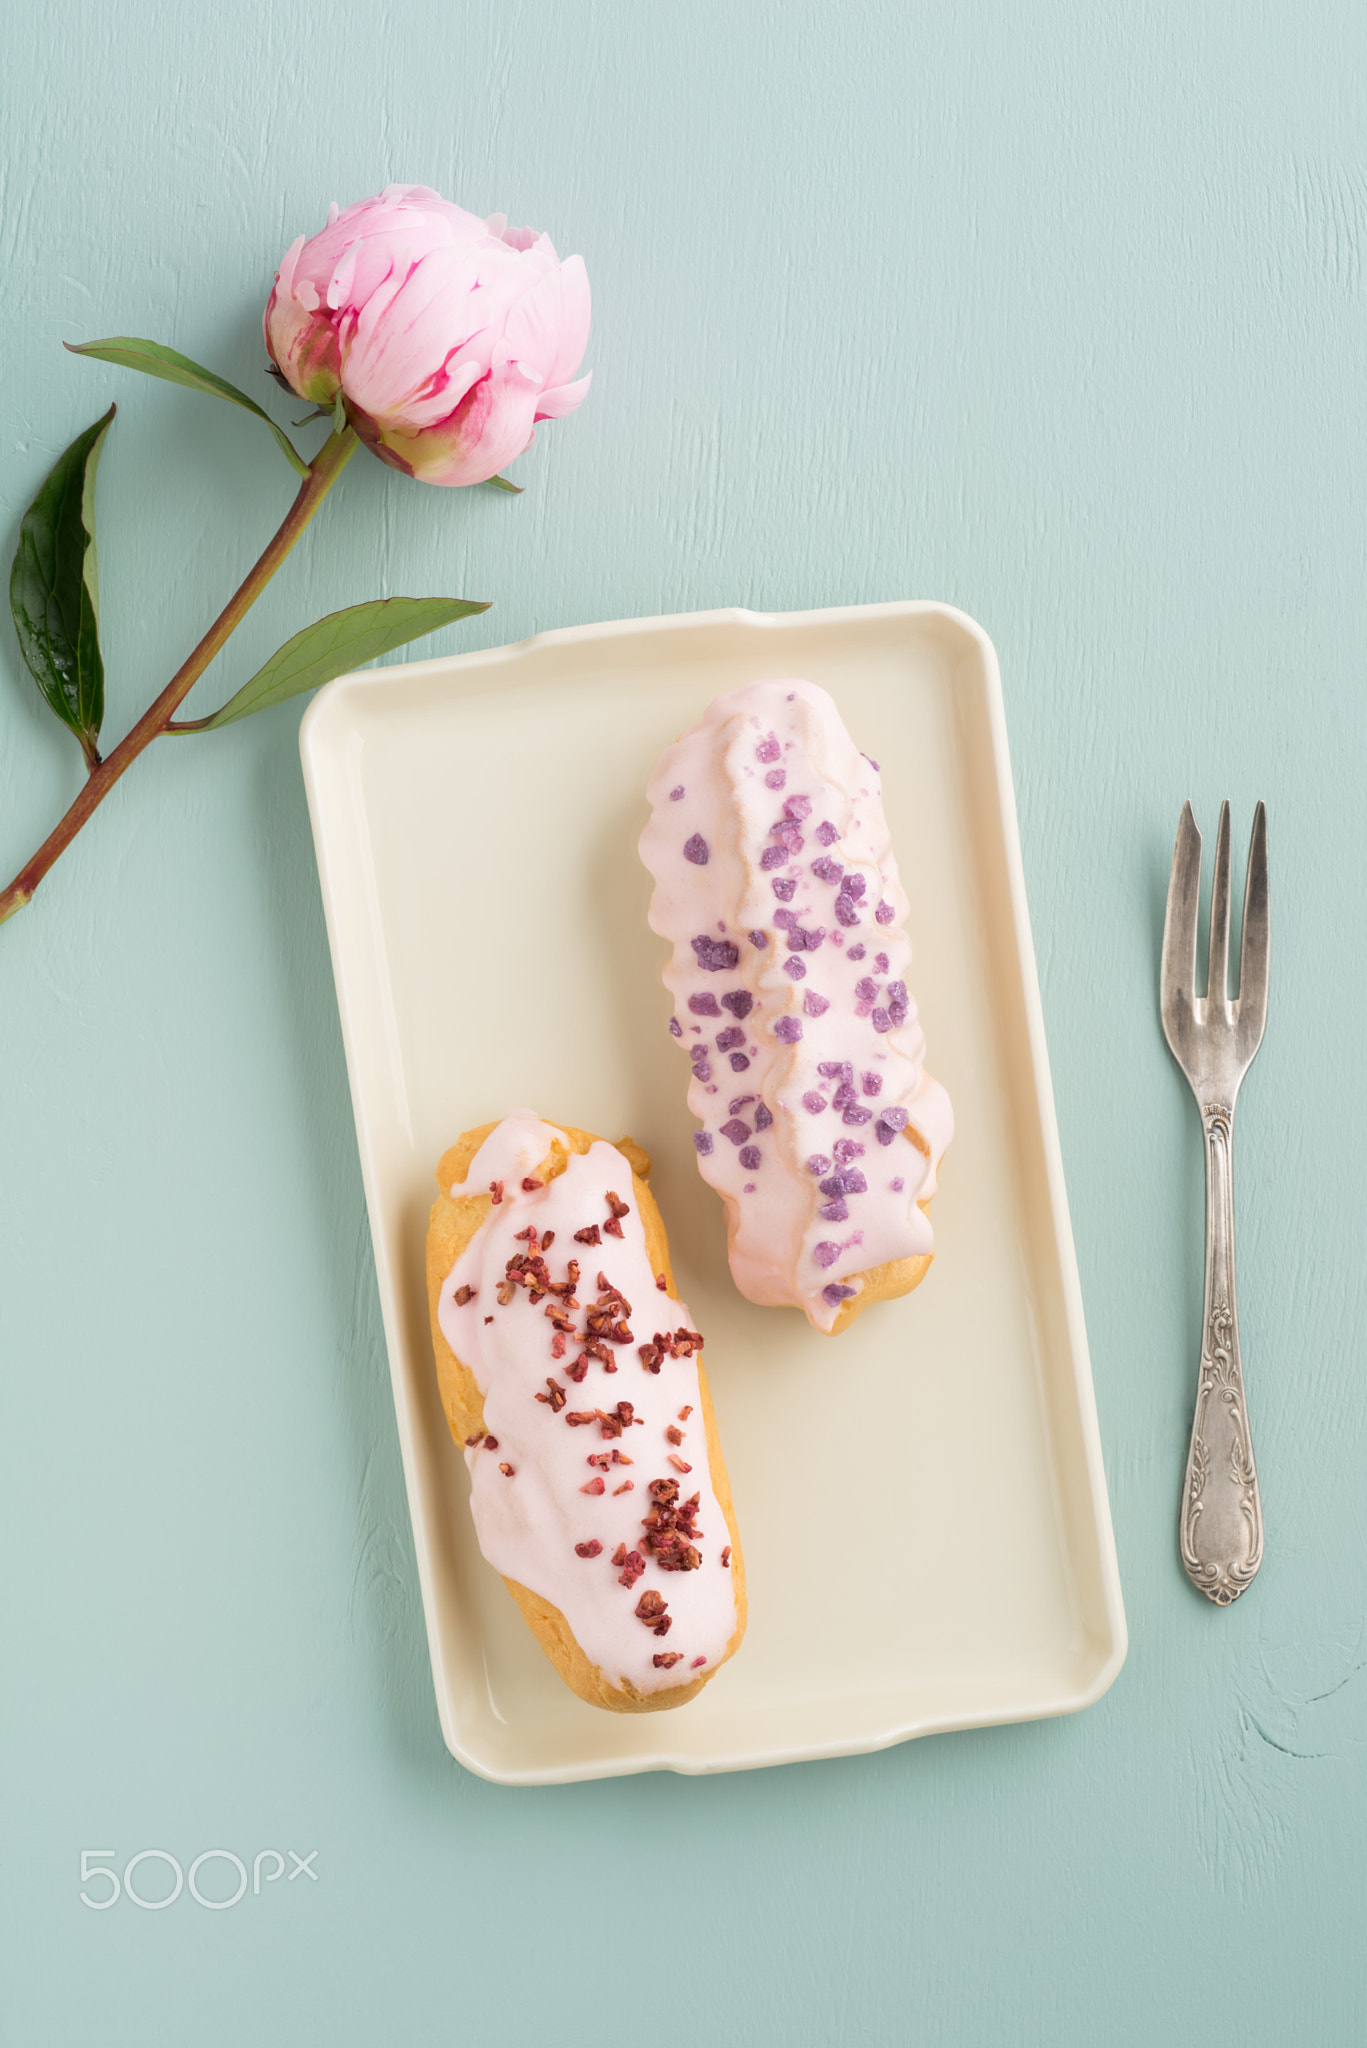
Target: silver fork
[1213,1040]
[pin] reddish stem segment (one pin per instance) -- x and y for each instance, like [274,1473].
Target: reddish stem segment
[326,467]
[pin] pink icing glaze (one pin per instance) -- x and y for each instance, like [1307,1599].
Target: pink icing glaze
[555,1521]
[782,902]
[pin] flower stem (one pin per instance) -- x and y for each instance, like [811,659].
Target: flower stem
[323,473]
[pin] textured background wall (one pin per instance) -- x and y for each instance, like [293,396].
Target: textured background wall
[1054,312]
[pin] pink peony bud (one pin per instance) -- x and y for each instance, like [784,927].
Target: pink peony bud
[447,335]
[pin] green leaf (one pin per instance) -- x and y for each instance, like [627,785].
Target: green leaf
[54,590]
[155,360]
[501,483]
[343,640]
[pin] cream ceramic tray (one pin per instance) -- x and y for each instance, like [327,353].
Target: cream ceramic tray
[476,823]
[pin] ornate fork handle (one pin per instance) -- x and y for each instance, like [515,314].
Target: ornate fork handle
[1222,1515]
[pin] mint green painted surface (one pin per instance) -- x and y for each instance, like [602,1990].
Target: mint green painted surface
[1055,313]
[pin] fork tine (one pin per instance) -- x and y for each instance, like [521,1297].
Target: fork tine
[1179,922]
[1255,945]
[1217,985]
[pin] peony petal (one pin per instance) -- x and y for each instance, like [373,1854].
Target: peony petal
[576,314]
[553,405]
[284,276]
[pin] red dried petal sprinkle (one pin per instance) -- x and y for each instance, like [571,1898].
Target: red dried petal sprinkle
[697,1664]
[558,1345]
[530,1186]
[464,1294]
[617,1205]
[590,1236]
[590,1549]
[674,1435]
[651,1605]
[662,1283]
[506,1470]
[684,1413]
[496,1192]
[491,1443]
[613,1227]
[662,1628]
[627,1486]
[488,1319]
[679,1463]
[477,1438]
[577,1417]
[650,1356]
[665,1660]
[594,1486]
[579,1371]
[632,1567]
[726,1557]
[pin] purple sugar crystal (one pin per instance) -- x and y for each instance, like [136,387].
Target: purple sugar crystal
[818,1163]
[739,1062]
[701,1070]
[795,969]
[833,1294]
[788,1030]
[703,1006]
[897,1186]
[872,1084]
[880,961]
[715,956]
[866,989]
[775,779]
[813,1103]
[836,1070]
[759,940]
[695,849]
[855,953]
[827,833]
[676,792]
[846,1149]
[803,941]
[733,1035]
[827,870]
[675,1028]
[797,808]
[764,1116]
[750,1157]
[895,1116]
[853,885]
[735,1107]
[785,919]
[772,857]
[880,1019]
[735,1130]
[812,1003]
[702,1143]
[784,887]
[825,1253]
[897,993]
[739,1002]
[768,748]
[855,1113]
[834,1212]
[885,912]
[845,911]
